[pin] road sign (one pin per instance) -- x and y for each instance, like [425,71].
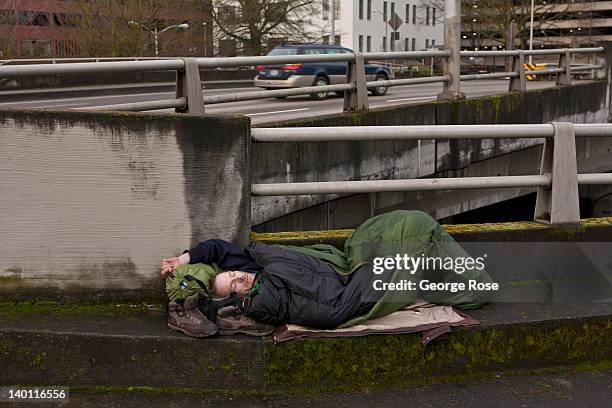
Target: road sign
[395,21]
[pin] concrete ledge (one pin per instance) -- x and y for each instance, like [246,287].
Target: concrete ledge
[590,229]
[123,346]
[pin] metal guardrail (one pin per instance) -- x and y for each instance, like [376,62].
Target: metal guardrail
[557,184]
[355,90]
[26,61]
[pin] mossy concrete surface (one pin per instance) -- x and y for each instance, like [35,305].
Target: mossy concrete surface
[135,349]
[589,229]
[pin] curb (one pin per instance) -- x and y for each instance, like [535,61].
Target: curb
[138,350]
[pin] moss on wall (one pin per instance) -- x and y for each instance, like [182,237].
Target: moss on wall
[393,360]
[563,231]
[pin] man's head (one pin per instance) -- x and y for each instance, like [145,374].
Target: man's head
[233,281]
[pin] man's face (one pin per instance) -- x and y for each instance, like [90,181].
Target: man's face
[233,281]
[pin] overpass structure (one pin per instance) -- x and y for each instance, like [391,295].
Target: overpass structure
[95,199]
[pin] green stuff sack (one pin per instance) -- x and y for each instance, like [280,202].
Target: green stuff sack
[187,280]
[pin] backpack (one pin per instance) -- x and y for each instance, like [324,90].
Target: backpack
[192,279]
[187,280]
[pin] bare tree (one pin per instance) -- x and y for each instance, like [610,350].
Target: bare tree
[9,47]
[125,28]
[104,28]
[254,23]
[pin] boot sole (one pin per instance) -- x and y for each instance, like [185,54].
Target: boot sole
[176,328]
[247,332]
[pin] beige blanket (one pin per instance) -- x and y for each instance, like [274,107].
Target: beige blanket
[423,317]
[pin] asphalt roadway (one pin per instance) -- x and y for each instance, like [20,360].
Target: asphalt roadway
[271,110]
[559,388]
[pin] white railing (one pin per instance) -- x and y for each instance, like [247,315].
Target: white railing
[189,97]
[557,184]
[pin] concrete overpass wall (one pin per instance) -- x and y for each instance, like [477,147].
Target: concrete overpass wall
[284,162]
[92,201]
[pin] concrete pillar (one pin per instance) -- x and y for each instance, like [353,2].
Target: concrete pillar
[608,57]
[189,86]
[559,203]
[518,83]
[565,77]
[452,42]
[358,98]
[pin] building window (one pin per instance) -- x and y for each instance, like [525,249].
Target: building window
[33,18]
[325,39]
[369,43]
[407,19]
[326,11]
[426,44]
[414,44]
[369,9]
[66,20]
[227,14]
[228,48]
[384,43]
[337,40]
[36,48]
[413,14]
[433,16]
[392,10]
[406,44]
[361,9]
[385,11]
[361,43]
[427,16]
[7,17]
[433,43]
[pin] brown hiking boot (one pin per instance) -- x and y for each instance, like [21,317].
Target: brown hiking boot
[189,320]
[231,320]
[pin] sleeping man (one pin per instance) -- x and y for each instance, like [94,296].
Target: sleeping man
[321,286]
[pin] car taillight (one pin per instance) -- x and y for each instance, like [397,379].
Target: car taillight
[260,67]
[292,67]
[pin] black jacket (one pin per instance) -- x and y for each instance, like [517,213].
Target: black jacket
[293,287]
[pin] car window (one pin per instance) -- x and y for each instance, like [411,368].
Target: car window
[345,51]
[284,51]
[314,50]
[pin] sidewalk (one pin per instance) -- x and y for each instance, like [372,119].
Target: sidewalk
[559,388]
[116,347]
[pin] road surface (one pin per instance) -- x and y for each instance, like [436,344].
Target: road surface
[271,110]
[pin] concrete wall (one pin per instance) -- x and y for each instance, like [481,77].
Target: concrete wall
[92,201]
[284,162]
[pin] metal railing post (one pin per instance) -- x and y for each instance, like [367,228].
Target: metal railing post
[189,86]
[559,203]
[357,99]
[518,83]
[564,78]
[452,42]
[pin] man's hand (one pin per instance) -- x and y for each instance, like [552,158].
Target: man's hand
[168,265]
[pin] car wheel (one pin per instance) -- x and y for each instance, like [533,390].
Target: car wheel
[320,81]
[380,90]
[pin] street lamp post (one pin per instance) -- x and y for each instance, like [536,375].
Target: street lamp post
[204,24]
[157,32]
[333,22]
[531,33]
